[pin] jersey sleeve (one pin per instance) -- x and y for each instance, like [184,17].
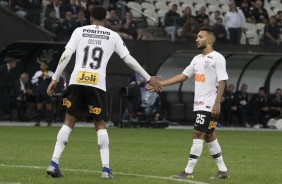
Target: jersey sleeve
[120,47]
[221,68]
[74,40]
[189,70]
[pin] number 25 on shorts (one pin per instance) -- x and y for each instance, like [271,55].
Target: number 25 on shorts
[200,118]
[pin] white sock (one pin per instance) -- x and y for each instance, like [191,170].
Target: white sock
[62,140]
[103,144]
[215,152]
[195,153]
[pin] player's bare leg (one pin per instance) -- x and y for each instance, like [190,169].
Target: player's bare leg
[62,139]
[215,152]
[195,153]
[103,144]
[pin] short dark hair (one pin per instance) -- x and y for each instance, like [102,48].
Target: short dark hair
[9,59]
[219,19]
[262,89]
[208,29]
[99,12]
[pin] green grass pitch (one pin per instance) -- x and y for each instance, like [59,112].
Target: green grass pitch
[137,156]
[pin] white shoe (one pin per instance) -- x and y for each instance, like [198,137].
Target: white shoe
[106,173]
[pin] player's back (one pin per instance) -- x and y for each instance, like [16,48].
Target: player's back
[94,46]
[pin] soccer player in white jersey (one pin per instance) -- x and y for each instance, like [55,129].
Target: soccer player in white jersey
[209,71]
[94,45]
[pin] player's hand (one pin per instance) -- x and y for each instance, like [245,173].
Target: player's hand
[149,87]
[155,84]
[216,110]
[51,87]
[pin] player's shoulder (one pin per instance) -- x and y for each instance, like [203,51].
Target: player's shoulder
[216,55]
[197,56]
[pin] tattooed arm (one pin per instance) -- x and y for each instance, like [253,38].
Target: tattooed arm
[220,90]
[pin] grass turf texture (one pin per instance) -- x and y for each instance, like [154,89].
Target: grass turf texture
[251,157]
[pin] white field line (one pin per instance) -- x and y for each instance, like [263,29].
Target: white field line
[115,173]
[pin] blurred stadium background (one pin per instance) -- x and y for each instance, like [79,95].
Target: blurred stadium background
[251,62]
[137,155]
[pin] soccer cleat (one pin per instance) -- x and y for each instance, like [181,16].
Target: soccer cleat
[54,171]
[106,173]
[183,175]
[221,175]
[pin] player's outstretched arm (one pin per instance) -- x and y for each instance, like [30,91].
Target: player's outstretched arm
[64,60]
[173,80]
[220,90]
[134,65]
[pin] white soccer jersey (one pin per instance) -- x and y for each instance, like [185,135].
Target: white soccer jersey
[94,46]
[207,71]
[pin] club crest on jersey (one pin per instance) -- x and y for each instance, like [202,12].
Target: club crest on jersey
[94,110]
[206,65]
[87,77]
[66,102]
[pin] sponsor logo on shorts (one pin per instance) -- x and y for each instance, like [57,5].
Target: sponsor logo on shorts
[87,77]
[212,124]
[94,110]
[66,102]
